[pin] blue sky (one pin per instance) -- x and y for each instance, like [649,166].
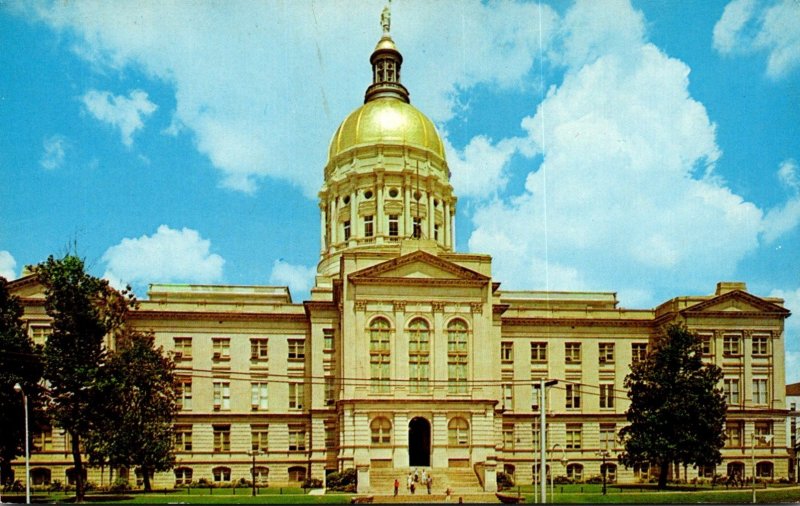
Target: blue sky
[648,148]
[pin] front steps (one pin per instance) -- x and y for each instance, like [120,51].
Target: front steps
[462,481]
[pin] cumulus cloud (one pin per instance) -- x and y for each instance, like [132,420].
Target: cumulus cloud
[773,27]
[121,112]
[54,152]
[479,170]
[784,218]
[7,265]
[298,278]
[168,256]
[791,332]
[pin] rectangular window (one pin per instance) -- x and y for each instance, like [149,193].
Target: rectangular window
[222,395]
[40,333]
[508,436]
[183,394]
[607,395]
[606,353]
[417,231]
[574,436]
[705,343]
[297,349]
[759,391]
[259,348]
[347,230]
[436,232]
[258,396]
[297,438]
[327,339]
[369,226]
[507,352]
[572,353]
[760,346]
[329,390]
[763,429]
[733,433]
[394,225]
[536,431]
[296,395]
[638,352]
[43,441]
[608,436]
[222,438]
[259,437]
[538,352]
[183,347]
[536,395]
[573,396]
[183,438]
[221,348]
[508,397]
[731,345]
[731,389]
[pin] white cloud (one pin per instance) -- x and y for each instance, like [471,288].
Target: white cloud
[786,217]
[749,26]
[298,278]
[791,332]
[479,169]
[122,112]
[792,367]
[54,152]
[167,256]
[7,265]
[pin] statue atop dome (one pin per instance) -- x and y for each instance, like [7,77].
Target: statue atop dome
[386,17]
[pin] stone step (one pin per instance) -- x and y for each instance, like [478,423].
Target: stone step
[459,480]
[475,497]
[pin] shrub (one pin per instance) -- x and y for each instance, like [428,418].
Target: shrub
[120,485]
[562,480]
[344,482]
[55,486]
[89,486]
[312,483]
[504,480]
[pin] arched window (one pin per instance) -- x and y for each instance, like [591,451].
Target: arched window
[536,468]
[297,473]
[221,474]
[419,350]
[764,470]
[736,469]
[509,469]
[139,476]
[458,432]
[457,356]
[381,429]
[575,472]
[183,475]
[379,354]
[40,476]
[611,472]
[72,476]
[261,475]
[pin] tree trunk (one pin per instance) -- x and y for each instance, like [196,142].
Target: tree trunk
[76,458]
[663,469]
[146,478]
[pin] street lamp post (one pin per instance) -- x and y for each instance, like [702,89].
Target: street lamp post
[543,433]
[253,470]
[563,463]
[18,389]
[767,438]
[604,454]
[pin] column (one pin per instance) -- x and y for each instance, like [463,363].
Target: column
[322,246]
[379,213]
[431,213]
[453,223]
[354,215]
[406,207]
[334,221]
[446,224]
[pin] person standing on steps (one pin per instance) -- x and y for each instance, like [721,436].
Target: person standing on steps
[396,486]
[429,483]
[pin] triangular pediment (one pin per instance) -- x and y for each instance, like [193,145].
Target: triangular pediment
[27,287]
[420,266]
[735,302]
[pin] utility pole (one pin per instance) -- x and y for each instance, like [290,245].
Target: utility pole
[543,384]
[766,438]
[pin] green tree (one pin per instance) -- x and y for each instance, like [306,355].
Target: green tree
[19,363]
[137,424]
[85,310]
[677,410]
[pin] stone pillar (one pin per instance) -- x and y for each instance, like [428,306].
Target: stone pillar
[490,474]
[453,223]
[334,221]
[379,213]
[354,216]
[431,214]
[322,232]
[406,208]
[446,224]
[362,472]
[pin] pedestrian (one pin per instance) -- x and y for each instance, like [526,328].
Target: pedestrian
[424,476]
[448,493]
[429,483]
[416,475]
[413,487]
[409,481]
[396,486]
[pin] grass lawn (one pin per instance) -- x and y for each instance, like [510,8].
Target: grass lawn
[592,494]
[286,495]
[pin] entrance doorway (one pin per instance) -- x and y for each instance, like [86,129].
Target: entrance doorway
[419,442]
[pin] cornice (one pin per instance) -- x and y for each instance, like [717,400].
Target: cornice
[570,322]
[213,315]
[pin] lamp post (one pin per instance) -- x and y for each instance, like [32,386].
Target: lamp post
[767,438]
[253,469]
[543,433]
[18,389]
[563,463]
[604,454]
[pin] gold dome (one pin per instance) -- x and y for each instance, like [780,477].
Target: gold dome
[386,120]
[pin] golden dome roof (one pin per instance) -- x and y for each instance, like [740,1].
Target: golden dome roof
[386,120]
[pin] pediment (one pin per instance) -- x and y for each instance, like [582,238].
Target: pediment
[739,302]
[419,266]
[27,287]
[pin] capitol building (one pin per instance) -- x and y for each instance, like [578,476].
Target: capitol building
[410,354]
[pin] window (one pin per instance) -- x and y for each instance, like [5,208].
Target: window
[508,436]
[575,472]
[731,345]
[574,436]
[222,348]
[259,396]
[43,441]
[297,349]
[457,356]
[573,396]
[419,349]
[40,333]
[183,394]
[261,475]
[536,394]
[327,339]
[222,395]
[607,395]
[259,349]
[222,439]
[642,470]
[764,469]
[507,352]
[572,353]
[347,230]
[458,432]
[297,438]
[436,232]
[259,438]
[379,354]
[72,476]
[221,474]
[705,343]
[705,471]
[394,226]
[297,473]
[759,391]
[760,344]
[381,430]
[538,352]
[369,228]
[638,352]
[296,395]
[183,475]
[763,429]
[610,470]
[183,347]
[40,476]
[329,390]
[508,397]
[608,436]
[733,433]
[183,438]
[417,232]
[731,389]
[606,353]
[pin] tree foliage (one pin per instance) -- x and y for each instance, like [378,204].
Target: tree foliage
[677,411]
[19,363]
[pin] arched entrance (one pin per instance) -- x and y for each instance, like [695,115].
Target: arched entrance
[419,442]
